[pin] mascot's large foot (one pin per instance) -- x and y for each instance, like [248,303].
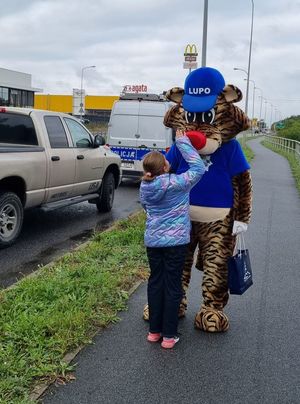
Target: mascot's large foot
[181,312]
[211,320]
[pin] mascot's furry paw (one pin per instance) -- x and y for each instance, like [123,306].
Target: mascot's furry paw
[181,312]
[146,313]
[199,262]
[211,320]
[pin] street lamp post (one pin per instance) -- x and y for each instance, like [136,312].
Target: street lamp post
[81,89]
[261,93]
[265,117]
[254,87]
[249,59]
[246,101]
[271,117]
[204,36]
[260,111]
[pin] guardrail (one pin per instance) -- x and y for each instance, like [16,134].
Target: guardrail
[289,145]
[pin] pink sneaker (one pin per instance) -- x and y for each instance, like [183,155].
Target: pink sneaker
[169,343]
[153,336]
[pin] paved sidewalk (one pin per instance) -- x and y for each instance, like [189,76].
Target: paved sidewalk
[256,361]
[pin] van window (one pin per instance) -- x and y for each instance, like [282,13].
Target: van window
[56,132]
[17,129]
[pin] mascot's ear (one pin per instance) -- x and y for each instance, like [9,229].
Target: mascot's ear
[232,93]
[175,94]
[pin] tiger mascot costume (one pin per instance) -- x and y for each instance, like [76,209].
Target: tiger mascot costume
[221,201]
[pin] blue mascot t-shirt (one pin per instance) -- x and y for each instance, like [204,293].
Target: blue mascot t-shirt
[215,187]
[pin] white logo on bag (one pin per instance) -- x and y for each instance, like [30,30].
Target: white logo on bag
[247,274]
[199,91]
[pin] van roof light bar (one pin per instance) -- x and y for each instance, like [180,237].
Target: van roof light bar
[142,97]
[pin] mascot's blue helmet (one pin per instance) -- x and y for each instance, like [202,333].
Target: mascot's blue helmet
[201,89]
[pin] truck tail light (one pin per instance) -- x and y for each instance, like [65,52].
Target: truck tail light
[3,109]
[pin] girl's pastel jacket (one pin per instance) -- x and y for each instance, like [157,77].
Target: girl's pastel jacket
[166,201]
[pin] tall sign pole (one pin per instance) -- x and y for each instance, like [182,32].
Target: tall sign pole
[204,37]
[249,59]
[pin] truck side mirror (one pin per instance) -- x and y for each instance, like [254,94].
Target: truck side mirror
[99,141]
[83,143]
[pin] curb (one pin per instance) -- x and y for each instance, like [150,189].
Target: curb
[77,248]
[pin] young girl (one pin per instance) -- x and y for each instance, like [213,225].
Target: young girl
[165,198]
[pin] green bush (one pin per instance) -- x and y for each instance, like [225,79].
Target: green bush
[291,129]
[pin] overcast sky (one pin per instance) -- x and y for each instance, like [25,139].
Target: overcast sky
[143,41]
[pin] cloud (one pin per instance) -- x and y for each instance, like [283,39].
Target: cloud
[142,42]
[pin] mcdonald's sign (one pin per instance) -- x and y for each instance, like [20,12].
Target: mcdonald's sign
[190,50]
[190,57]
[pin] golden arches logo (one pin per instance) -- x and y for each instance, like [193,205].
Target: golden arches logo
[190,50]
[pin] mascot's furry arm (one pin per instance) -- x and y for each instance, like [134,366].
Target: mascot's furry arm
[232,121]
[242,185]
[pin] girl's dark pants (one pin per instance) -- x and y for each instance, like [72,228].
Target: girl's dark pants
[164,288]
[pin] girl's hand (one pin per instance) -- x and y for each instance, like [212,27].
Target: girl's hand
[179,133]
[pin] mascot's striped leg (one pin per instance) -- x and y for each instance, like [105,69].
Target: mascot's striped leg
[215,247]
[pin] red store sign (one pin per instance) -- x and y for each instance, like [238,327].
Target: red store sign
[135,88]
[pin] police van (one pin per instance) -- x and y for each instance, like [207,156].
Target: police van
[136,127]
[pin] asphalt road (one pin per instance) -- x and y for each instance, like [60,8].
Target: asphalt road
[46,236]
[256,361]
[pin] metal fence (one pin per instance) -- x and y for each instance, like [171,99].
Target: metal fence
[282,143]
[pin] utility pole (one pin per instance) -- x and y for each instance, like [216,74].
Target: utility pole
[204,37]
[81,89]
[249,59]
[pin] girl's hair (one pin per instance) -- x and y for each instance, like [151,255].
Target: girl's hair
[153,165]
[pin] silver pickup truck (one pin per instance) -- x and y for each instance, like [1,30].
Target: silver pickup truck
[50,160]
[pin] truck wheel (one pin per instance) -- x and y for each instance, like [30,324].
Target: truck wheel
[11,218]
[107,193]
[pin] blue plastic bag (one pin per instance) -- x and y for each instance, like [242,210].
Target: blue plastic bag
[239,272]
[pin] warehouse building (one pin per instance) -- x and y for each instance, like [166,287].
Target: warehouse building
[96,107]
[16,89]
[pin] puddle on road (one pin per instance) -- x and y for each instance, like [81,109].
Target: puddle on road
[83,236]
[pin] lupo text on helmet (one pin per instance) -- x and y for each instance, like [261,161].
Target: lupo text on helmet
[199,90]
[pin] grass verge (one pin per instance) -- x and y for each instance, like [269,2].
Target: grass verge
[294,163]
[45,316]
[248,152]
[246,149]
